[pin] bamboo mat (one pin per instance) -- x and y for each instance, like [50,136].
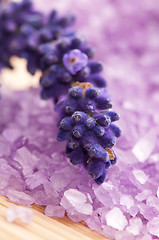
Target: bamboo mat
[43,227]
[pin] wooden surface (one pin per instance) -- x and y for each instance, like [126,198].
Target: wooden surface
[42,227]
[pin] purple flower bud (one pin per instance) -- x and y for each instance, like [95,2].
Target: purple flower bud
[75,60]
[90,123]
[108,139]
[76,92]
[78,131]
[92,92]
[114,116]
[79,117]
[116,130]
[102,177]
[66,124]
[62,135]
[99,131]
[102,119]
[98,80]
[97,151]
[95,67]
[77,156]
[96,168]
[72,143]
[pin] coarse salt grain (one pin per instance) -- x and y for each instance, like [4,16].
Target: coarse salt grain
[116,219]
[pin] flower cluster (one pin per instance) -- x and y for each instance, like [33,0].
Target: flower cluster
[22,30]
[69,76]
[86,124]
[65,62]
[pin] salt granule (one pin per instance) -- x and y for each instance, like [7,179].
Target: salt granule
[54,211]
[127,201]
[153,226]
[135,226]
[145,146]
[23,213]
[116,219]
[140,176]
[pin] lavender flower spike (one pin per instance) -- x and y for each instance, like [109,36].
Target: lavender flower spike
[88,131]
[75,60]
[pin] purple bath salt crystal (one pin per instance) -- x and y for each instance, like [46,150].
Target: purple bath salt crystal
[25,214]
[19,197]
[11,134]
[59,181]
[152,226]
[35,180]
[75,60]
[4,147]
[140,176]
[145,145]
[127,201]
[54,211]
[135,226]
[26,160]
[4,180]
[143,195]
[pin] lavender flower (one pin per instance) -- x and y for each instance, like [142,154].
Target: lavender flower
[89,132]
[66,61]
[74,61]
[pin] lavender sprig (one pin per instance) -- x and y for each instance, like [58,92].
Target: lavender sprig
[70,77]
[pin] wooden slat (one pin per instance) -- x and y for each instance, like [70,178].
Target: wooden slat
[43,227]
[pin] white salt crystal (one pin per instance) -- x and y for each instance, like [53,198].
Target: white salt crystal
[135,226]
[85,208]
[143,195]
[154,158]
[145,237]
[103,193]
[134,210]
[126,200]
[140,176]
[145,145]
[116,219]
[23,213]
[54,211]
[153,226]
[123,235]
[89,198]
[75,200]
[153,201]
[75,197]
